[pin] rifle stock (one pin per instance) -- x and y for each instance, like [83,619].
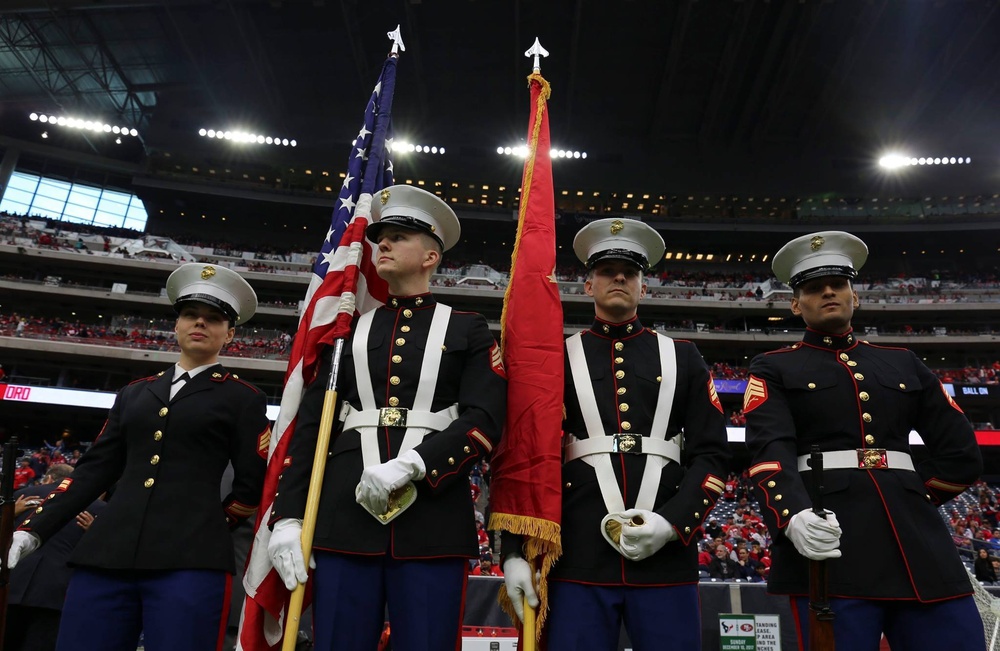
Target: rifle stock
[6,527]
[820,613]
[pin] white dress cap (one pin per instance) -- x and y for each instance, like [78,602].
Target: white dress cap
[619,239]
[829,253]
[222,288]
[416,209]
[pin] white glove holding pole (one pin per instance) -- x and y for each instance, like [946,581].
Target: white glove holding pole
[22,544]
[815,537]
[641,541]
[285,550]
[378,481]
[519,576]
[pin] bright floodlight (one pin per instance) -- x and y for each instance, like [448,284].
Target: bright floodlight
[43,118]
[269,140]
[894,161]
[33,117]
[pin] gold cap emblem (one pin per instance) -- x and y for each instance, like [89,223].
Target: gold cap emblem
[207,272]
[816,243]
[384,196]
[617,226]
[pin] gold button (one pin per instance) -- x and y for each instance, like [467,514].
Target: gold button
[394,401]
[620,374]
[619,346]
[394,380]
[869,439]
[623,407]
[400,341]
[407,313]
[811,385]
[928,497]
[626,425]
[859,376]
[777,498]
[396,359]
[659,378]
[902,386]
[866,417]
[395,303]
[785,513]
[157,435]
[444,348]
[864,396]
[619,360]
[467,449]
[405,328]
[149,482]
[155,459]
[621,391]
[852,363]
[697,515]
[771,484]
[844,356]
[163,411]
[827,341]
[26,521]
[38,510]
[236,377]
[687,529]
[434,473]
[569,484]
[451,461]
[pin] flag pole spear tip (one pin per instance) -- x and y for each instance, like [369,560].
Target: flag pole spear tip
[397,41]
[536,50]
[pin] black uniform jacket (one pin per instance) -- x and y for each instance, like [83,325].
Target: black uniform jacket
[624,364]
[844,394]
[168,457]
[442,521]
[41,578]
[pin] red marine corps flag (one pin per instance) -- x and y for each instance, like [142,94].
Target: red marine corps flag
[525,493]
[343,282]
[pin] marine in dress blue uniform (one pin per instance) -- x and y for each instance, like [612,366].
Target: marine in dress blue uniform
[629,550]
[416,562]
[892,565]
[159,560]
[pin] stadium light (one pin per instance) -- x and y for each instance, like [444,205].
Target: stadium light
[893,161]
[82,124]
[522,152]
[244,137]
[404,147]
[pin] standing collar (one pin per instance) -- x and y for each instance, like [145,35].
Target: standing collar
[827,341]
[412,302]
[616,330]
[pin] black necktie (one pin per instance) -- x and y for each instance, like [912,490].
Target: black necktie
[184,377]
[178,384]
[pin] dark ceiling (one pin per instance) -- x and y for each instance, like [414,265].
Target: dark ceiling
[793,96]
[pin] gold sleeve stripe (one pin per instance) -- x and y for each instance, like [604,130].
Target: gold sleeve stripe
[945,486]
[765,467]
[483,439]
[715,484]
[241,510]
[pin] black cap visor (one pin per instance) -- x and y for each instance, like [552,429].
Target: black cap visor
[373,231]
[819,272]
[637,259]
[210,300]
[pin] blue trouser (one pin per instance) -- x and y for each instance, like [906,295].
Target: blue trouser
[589,617]
[178,609]
[858,624]
[426,600]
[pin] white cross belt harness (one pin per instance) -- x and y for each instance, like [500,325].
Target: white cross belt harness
[596,449]
[419,420]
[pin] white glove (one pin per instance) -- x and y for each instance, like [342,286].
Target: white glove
[518,576]
[285,550]
[642,541]
[378,481]
[815,537]
[22,544]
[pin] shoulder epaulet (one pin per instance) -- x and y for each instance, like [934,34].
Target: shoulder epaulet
[151,378]
[790,349]
[236,378]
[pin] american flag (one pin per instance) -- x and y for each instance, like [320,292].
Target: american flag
[343,282]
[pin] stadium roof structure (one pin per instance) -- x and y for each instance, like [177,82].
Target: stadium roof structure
[688,96]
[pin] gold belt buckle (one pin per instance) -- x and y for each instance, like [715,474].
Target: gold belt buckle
[872,459]
[626,443]
[392,417]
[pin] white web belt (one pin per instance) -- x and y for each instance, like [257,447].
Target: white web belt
[596,449]
[418,420]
